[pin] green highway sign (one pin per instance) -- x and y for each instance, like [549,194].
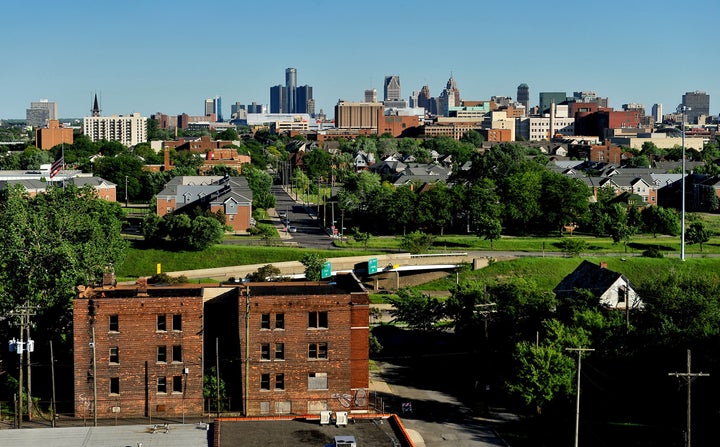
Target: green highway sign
[372,266]
[327,270]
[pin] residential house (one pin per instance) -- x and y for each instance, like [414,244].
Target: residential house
[613,290]
[231,195]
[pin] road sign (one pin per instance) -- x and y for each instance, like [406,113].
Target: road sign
[327,270]
[372,266]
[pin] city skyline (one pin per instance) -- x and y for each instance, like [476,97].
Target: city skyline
[141,60]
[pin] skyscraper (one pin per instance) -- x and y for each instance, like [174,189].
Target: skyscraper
[277,99]
[213,106]
[657,113]
[290,93]
[391,88]
[523,96]
[549,98]
[304,98]
[699,103]
[371,95]
[40,113]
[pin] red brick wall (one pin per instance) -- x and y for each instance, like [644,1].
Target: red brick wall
[347,342]
[137,340]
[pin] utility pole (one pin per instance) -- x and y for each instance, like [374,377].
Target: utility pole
[688,376]
[52,374]
[577,403]
[21,346]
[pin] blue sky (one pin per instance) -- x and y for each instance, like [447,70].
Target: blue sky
[168,56]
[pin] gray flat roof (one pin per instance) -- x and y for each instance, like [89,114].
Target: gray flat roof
[376,432]
[178,435]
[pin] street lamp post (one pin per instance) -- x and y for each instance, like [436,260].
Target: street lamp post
[126,191]
[683,109]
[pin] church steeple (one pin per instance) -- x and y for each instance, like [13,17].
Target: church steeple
[96,108]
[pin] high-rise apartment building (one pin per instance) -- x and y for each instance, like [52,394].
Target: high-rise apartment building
[128,130]
[40,113]
[523,96]
[699,104]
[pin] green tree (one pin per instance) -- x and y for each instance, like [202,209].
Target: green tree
[619,228]
[50,244]
[417,310]
[116,169]
[318,164]
[697,234]
[545,372]
[402,214]
[313,266]
[265,273]
[228,135]
[205,231]
[260,183]
[657,219]
[361,237]
[417,242]
[214,391]
[573,247]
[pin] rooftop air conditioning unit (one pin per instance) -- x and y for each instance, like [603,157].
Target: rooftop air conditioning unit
[341,418]
[345,441]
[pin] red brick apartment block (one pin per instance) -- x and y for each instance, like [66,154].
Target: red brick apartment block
[284,348]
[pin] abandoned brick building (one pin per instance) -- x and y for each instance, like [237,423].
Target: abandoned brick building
[290,348]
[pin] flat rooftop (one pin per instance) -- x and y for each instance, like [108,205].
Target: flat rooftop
[377,432]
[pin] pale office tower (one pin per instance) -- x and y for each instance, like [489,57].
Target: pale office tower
[357,115]
[391,88]
[698,103]
[40,113]
[657,113]
[214,106]
[371,95]
[127,130]
[290,86]
[523,95]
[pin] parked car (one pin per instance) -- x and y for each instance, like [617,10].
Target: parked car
[282,214]
[292,229]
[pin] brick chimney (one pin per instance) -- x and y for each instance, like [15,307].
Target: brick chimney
[603,265]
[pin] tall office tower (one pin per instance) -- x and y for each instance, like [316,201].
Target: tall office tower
[311,107]
[699,103]
[40,113]
[449,98]
[523,96]
[371,95]
[657,113]
[549,98]
[277,99]
[213,106]
[303,95]
[290,93]
[452,89]
[256,108]
[391,88]
[413,99]
[425,100]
